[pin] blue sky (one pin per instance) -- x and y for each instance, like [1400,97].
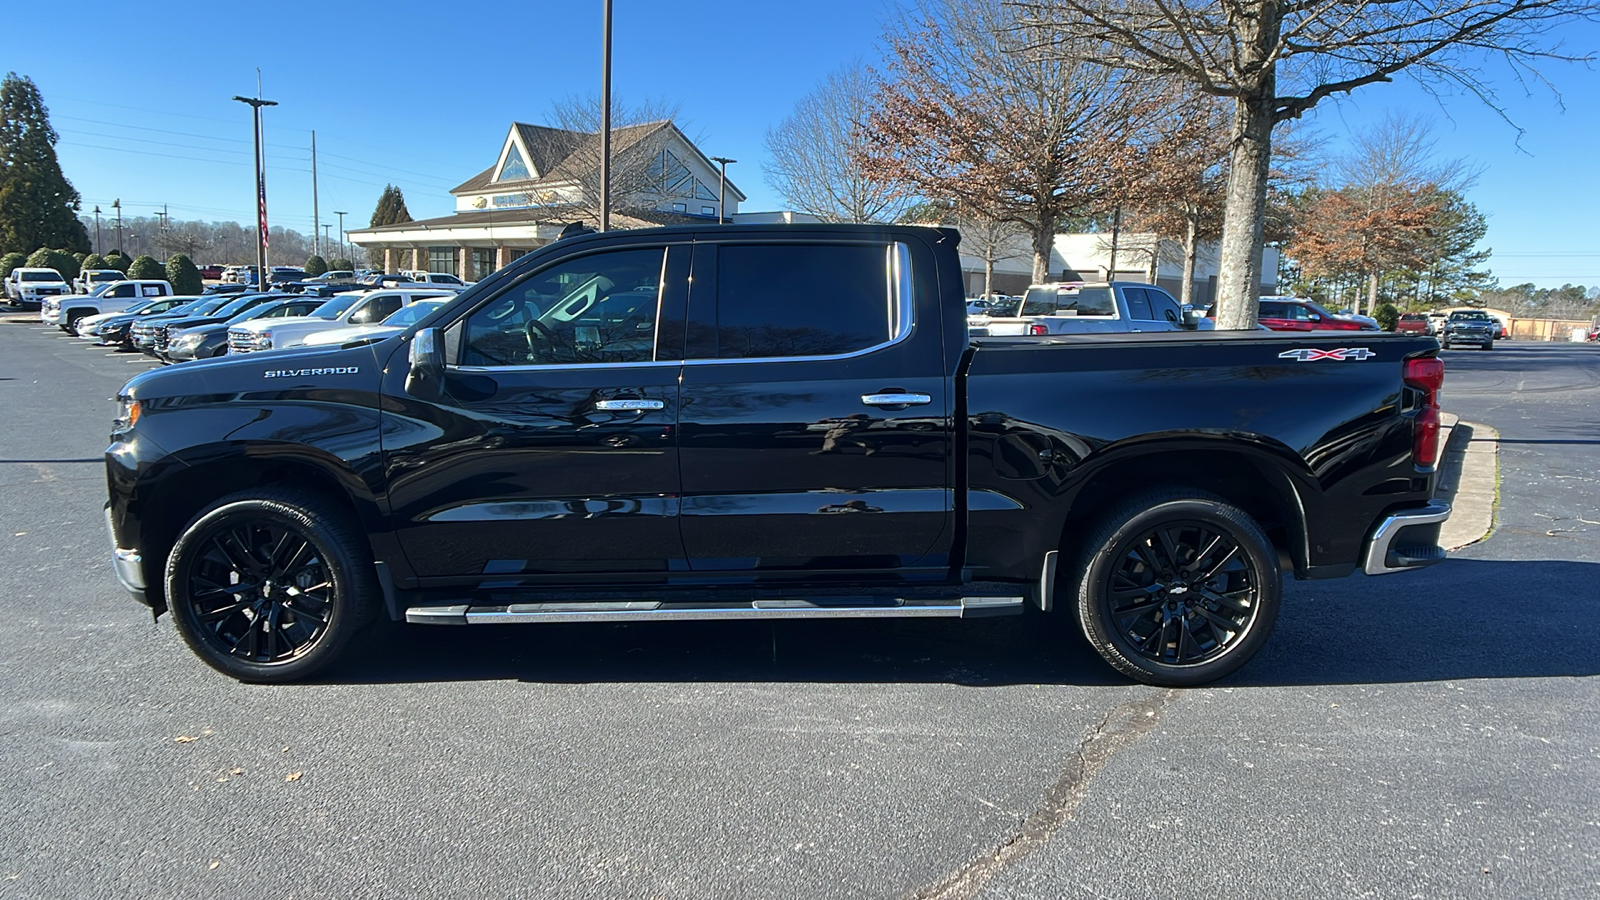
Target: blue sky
[422,94]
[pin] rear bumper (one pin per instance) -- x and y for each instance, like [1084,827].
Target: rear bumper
[1407,539]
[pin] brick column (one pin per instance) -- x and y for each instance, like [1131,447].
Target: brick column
[464,264]
[501,257]
[388,260]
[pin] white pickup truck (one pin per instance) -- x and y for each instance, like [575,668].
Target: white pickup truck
[113,296]
[1092,308]
[27,286]
[341,311]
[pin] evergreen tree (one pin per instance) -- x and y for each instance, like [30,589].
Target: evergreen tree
[118,260]
[183,275]
[11,261]
[146,267]
[95,261]
[60,260]
[341,264]
[38,206]
[315,265]
[391,208]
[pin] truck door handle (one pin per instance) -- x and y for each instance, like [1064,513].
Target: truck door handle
[896,399]
[630,405]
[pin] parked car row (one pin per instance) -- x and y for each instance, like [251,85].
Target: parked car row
[1086,308]
[181,329]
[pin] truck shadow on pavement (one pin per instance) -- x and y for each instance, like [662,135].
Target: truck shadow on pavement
[1463,619]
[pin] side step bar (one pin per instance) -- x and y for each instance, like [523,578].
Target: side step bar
[653,610]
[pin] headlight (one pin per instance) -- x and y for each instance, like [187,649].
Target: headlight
[188,340]
[127,413]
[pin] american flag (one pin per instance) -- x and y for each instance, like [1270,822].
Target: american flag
[261,205]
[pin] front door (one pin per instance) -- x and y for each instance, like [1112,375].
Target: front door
[553,459]
[815,434]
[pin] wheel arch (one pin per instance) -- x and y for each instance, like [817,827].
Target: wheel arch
[208,474]
[1266,481]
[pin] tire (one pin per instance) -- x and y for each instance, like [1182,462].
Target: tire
[72,322]
[1177,588]
[309,584]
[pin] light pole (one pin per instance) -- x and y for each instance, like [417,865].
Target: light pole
[722,186]
[327,242]
[340,214]
[117,205]
[97,229]
[605,117]
[255,104]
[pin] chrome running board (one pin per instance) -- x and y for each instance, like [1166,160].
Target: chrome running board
[655,610]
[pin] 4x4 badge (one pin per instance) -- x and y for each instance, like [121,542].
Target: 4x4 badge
[1311,355]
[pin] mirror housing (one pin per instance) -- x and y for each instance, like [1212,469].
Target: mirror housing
[425,380]
[1191,317]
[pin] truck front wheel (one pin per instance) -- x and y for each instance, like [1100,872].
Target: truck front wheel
[1177,588]
[269,585]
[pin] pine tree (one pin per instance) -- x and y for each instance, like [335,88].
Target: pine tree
[315,265]
[38,206]
[391,210]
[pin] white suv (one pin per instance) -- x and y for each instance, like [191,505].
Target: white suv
[341,310]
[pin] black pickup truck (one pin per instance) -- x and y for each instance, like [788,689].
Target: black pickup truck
[767,422]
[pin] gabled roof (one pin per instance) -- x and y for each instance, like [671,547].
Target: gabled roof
[559,155]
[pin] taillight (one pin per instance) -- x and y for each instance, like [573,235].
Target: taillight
[1036,328]
[1426,375]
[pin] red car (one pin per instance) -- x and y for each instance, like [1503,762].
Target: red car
[1412,323]
[1292,314]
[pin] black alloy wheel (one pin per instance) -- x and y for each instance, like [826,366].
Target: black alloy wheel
[1178,588]
[270,585]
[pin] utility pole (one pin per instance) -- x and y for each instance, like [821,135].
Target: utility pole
[327,242]
[342,253]
[316,219]
[722,187]
[605,117]
[255,104]
[117,205]
[161,239]
[97,229]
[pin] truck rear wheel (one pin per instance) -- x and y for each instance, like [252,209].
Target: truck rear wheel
[270,585]
[1177,588]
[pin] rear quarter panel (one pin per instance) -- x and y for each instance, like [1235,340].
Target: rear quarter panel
[1330,438]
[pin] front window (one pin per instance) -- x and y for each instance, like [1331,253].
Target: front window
[442,259]
[40,276]
[377,309]
[413,314]
[599,308]
[336,307]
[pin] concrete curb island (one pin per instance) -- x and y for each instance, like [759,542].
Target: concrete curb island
[1469,480]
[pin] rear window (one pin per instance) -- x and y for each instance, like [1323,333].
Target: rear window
[787,300]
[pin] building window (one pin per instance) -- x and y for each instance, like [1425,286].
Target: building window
[708,210]
[482,262]
[442,259]
[679,207]
[514,168]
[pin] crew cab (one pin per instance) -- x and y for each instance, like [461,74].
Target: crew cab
[1088,308]
[28,287]
[339,311]
[766,422]
[89,279]
[113,296]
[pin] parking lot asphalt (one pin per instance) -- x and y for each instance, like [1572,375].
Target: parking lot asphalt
[1428,734]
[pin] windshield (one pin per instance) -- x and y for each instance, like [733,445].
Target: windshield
[1469,316]
[101,289]
[40,276]
[140,306]
[208,307]
[239,304]
[176,309]
[335,308]
[254,312]
[411,315]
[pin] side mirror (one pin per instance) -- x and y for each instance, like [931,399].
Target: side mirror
[425,380]
[1316,318]
[1191,318]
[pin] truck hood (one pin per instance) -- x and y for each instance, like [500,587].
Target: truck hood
[242,377]
[260,325]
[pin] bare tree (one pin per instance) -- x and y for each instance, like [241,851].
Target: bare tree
[567,158]
[816,153]
[1276,60]
[978,109]
[991,240]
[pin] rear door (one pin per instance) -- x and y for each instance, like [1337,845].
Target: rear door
[815,433]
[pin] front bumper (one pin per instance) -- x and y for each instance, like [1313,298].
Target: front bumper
[127,563]
[1407,539]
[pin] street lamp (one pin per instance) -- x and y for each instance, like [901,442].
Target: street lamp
[326,240]
[117,205]
[722,187]
[255,104]
[97,229]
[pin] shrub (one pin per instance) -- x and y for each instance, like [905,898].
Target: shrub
[11,261]
[316,265]
[184,276]
[146,267]
[1387,316]
[341,264]
[95,261]
[118,260]
[60,260]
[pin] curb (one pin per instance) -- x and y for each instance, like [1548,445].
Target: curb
[1469,480]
